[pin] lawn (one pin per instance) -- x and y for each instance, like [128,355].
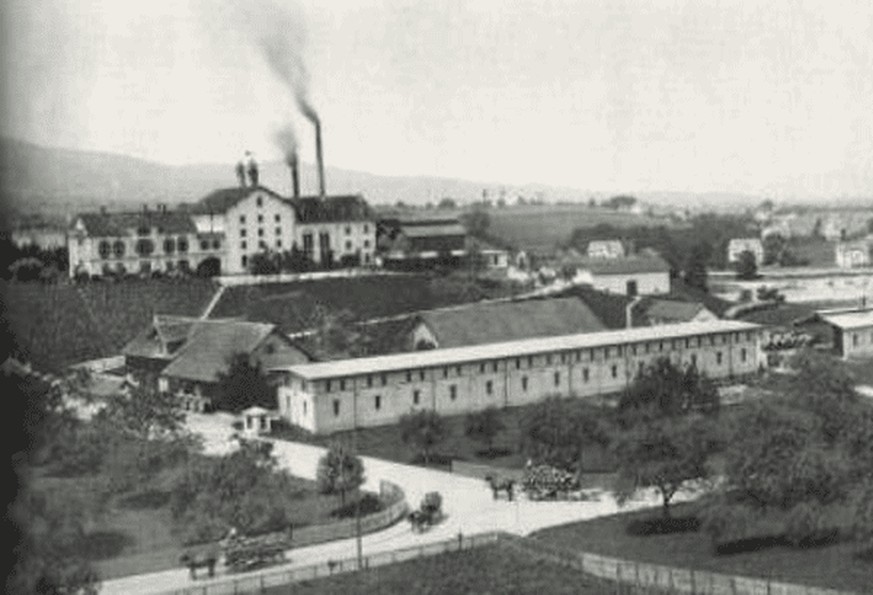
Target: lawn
[385,442]
[135,534]
[487,569]
[834,566]
[544,227]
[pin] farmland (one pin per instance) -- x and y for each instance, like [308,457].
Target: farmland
[488,569]
[292,305]
[542,228]
[60,324]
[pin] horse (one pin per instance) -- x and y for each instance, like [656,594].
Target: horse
[203,559]
[501,485]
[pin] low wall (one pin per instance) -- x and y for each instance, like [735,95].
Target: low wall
[232,280]
[395,510]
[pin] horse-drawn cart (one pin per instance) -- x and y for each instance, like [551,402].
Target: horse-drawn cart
[429,513]
[248,553]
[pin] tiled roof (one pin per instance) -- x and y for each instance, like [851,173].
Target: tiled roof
[331,209]
[610,308]
[477,353]
[151,342]
[121,224]
[219,201]
[211,346]
[478,324]
[622,266]
[430,231]
[669,310]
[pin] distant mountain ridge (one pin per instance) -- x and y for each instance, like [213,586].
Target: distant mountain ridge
[55,181]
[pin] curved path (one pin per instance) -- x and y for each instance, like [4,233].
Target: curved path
[467,503]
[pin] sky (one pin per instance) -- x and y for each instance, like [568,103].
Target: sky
[770,98]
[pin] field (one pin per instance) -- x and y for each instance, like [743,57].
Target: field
[134,534]
[832,566]
[61,324]
[487,569]
[292,305]
[541,228]
[385,442]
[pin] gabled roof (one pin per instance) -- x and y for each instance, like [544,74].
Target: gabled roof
[121,224]
[152,341]
[211,346]
[850,320]
[610,308]
[496,322]
[643,263]
[313,209]
[220,201]
[670,310]
[430,231]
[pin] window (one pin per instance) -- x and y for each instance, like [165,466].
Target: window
[369,380]
[304,407]
[278,243]
[489,387]
[482,368]
[244,261]
[445,372]
[278,231]
[660,346]
[242,219]
[260,218]
[204,245]
[104,249]
[718,357]
[366,259]
[216,244]
[243,245]
[366,243]
[327,384]
[145,247]
[366,228]
[563,358]
[182,244]
[260,202]
[260,232]
[614,371]
[854,339]
[687,343]
[459,370]
[408,375]
[549,360]
[620,350]
[453,392]
[557,379]
[348,245]
[579,356]
[633,349]
[694,359]
[184,265]
[743,355]
[348,230]
[640,368]
[384,379]
[118,248]
[336,404]
[421,374]
[524,383]
[277,218]
[143,231]
[342,384]
[518,363]
[243,232]
[494,366]
[262,244]
[585,374]
[169,246]
[416,395]
[377,402]
[530,361]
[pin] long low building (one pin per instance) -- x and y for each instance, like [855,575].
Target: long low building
[340,395]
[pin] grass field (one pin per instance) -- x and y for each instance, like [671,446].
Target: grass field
[488,569]
[385,442]
[60,324]
[544,227]
[832,566]
[132,535]
[292,305]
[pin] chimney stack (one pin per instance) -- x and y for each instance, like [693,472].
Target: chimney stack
[295,174]
[320,158]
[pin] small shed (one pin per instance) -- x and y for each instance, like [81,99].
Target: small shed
[257,420]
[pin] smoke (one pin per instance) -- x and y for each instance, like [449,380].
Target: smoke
[286,138]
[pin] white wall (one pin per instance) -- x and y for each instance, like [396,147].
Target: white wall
[647,283]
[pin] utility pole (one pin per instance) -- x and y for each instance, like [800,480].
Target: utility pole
[359,543]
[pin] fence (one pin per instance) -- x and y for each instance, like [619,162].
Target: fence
[645,577]
[396,508]
[281,577]
[232,280]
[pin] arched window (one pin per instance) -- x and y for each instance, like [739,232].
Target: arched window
[118,248]
[169,246]
[145,247]
[182,244]
[104,249]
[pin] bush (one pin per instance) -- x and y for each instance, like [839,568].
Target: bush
[370,504]
[663,526]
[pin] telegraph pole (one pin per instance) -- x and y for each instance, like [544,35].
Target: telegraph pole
[358,540]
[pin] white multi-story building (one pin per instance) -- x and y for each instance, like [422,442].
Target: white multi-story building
[340,395]
[137,242]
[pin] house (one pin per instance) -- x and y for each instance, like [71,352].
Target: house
[853,331]
[853,254]
[140,242]
[187,356]
[341,395]
[482,323]
[606,249]
[650,311]
[411,240]
[739,245]
[642,274]
[45,237]
[843,226]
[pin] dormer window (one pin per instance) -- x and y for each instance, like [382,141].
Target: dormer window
[259,201]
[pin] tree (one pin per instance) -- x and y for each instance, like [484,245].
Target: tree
[243,385]
[774,245]
[747,266]
[339,333]
[146,414]
[620,202]
[483,426]
[447,203]
[797,466]
[665,435]
[695,265]
[424,430]
[557,431]
[339,471]
[264,263]
[477,222]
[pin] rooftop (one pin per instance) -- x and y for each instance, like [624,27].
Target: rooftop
[219,201]
[850,320]
[459,355]
[313,209]
[427,231]
[117,224]
[643,263]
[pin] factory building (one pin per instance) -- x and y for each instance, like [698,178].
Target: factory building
[340,395]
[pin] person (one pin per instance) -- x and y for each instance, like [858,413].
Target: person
[241,173]
[252,167]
